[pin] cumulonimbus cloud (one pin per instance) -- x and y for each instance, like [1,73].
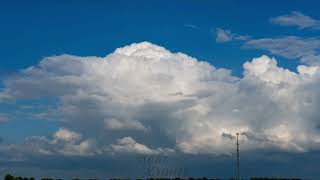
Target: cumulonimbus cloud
[143,98]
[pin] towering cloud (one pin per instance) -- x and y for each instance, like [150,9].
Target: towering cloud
[144,99]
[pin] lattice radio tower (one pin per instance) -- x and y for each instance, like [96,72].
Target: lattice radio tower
[238,159]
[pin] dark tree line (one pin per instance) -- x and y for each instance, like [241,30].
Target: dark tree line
[256,178]
[10,177]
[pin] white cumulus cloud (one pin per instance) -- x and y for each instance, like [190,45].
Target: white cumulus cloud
[129,145]
[67,135]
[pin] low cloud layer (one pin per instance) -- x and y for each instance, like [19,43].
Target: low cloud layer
[144,99]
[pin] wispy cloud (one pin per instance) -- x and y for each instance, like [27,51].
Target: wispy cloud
[306,49]
[296,18]
[291,47]
[224,35]
[191,26]
[3,118]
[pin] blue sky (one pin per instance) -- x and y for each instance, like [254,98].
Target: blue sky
[49,108]
[31,31]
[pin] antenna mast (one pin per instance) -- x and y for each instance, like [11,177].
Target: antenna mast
[238,159]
